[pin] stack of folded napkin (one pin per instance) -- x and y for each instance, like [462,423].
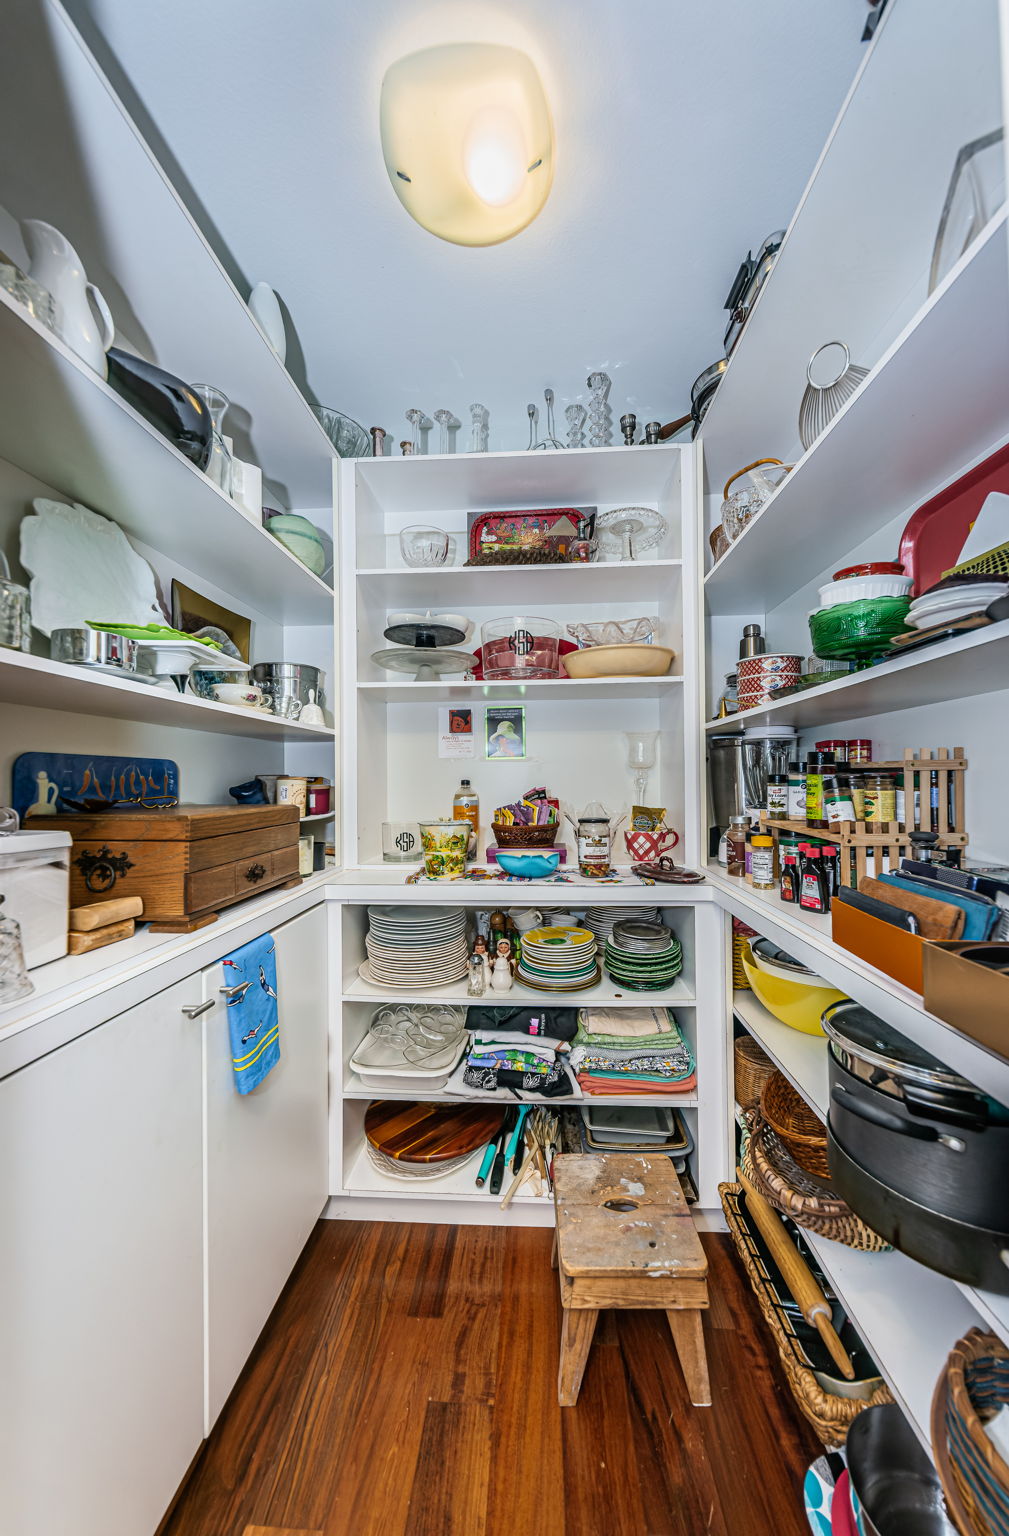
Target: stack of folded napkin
[631,1051]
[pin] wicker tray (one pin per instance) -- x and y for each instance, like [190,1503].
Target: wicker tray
[807,1200]
[751,1069]
[829,1415]
[508,836]
[803,1132]
[975,1479]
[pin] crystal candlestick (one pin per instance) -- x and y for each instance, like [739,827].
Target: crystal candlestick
[575,416]
[641,746]
[480,429]
[448,426]
[421,425]
[600,420]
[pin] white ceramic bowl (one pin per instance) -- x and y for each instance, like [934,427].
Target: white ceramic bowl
[619,661]
[245,695]
[856,589]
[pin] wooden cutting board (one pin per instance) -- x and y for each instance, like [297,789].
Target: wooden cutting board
[429,1133]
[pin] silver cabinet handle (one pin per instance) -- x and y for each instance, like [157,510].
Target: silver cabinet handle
[194,1011]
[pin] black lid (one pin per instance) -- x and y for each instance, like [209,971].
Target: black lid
[795,767]
[463,783]
[819,760]
[857,1029]
[777,778]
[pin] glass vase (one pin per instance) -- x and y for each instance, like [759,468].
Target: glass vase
[220,468]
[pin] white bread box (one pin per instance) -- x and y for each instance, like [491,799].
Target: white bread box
[35,885]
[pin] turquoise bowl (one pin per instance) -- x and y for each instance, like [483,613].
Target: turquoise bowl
[531,865]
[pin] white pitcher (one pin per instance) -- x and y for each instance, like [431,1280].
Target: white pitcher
[88,331]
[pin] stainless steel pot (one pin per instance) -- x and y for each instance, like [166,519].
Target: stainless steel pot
[92,648]
[895,1488]
[287,684]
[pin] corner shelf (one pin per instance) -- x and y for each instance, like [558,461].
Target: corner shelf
[801,1058]
[597,581]
[592,688]
[603,994]
[354,1089]
[968,664]
[63,424]
[43,684]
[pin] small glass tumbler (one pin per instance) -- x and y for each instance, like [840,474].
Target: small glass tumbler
[423,546]
[401,842]
[220,469]
[15,611]
[14,979]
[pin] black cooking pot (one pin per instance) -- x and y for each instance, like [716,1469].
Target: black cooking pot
[917,1151]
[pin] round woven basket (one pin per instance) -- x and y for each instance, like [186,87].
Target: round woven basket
[507,836]
[751,1069]
[809,1201]
[971,1390]
[803,1133]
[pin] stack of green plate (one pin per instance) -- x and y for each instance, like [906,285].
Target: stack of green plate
[642,956]
[559,959]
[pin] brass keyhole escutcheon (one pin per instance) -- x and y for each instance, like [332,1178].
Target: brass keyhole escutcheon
[621,1205]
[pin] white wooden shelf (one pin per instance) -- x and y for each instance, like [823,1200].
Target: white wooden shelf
[908,1317]
[933,403]
[525,585]
[591,688]
[62,423]
[355,1089]
[44,684]
[603,994]
[807,936]
[142,246]
[361,1178]
[974,663]
[802,1058]
[994,1310]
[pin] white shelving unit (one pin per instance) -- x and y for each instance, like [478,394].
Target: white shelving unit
[802,1058]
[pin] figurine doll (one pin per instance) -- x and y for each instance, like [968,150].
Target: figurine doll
[503,974]
[480,957]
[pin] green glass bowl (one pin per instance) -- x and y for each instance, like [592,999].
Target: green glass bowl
[856,630]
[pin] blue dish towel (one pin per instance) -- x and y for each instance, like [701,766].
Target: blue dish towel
[250,975]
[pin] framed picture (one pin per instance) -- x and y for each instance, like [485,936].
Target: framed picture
[191,611]
[505,731]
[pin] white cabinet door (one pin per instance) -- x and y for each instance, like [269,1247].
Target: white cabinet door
[101,1275]
[266,1154]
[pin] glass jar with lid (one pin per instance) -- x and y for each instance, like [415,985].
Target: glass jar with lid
[880,798]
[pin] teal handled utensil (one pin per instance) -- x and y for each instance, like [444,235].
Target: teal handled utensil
[490,1152]
[516,1137]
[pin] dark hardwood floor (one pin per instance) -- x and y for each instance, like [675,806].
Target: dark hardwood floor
[406,1386]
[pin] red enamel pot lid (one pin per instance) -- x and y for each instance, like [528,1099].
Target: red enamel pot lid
[871,568]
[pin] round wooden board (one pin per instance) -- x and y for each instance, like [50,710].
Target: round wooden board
[429,1133]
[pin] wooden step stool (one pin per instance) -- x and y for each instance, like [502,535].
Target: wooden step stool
[624,1238]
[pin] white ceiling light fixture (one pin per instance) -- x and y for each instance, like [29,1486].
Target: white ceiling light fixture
[468,140]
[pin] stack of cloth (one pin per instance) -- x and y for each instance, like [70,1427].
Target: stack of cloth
[631,1051]
[519,1052]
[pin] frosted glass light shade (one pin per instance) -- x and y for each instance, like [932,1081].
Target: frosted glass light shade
[467,140]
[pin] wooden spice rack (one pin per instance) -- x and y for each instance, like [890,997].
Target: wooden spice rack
[855,839]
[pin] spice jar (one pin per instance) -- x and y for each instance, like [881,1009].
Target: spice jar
[837,802]
[735,838]
[762,862]
[593,845]
[856,783]
[860,750]
[838,747]
[880,798]
[817,764]
[777,796]
[796,792]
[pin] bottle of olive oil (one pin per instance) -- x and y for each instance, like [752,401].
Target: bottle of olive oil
[466,807]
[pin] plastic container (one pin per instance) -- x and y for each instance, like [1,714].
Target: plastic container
[520,647]
[870,568]
[35,881]
[856,589]
[762,862]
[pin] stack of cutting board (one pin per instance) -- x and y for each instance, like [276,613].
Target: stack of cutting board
[98,923]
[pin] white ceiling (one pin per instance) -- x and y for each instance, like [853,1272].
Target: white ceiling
[685,132]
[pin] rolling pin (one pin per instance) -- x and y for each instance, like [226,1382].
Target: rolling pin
[99,914]
[797,1275]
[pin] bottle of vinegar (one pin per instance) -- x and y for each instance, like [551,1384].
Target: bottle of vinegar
[466,807]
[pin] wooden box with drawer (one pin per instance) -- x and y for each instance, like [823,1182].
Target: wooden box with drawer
[186,863]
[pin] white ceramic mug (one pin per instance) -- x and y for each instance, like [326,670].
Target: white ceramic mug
[525,918]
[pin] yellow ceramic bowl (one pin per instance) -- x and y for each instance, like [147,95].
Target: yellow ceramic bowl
[619,661]
[798,1004]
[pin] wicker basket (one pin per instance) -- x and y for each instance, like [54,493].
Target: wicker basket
[508,836]
[803,1133]
[751,1069]
[969,1392]
[830,1416]
[807,1200]
[741,936]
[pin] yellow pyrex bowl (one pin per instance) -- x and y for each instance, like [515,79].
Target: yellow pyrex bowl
[797,1003]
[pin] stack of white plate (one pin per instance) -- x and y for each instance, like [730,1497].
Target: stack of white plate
[601,919]
[415,947]
[561,959]
[946,604]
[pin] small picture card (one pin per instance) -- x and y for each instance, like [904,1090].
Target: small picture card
[505,730]
[455,731]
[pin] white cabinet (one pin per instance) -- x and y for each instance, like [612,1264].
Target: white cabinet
[266,1154]
[101,1275]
